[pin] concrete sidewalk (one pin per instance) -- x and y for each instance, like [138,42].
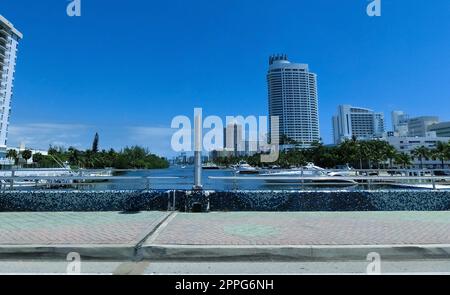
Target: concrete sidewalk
[231,235]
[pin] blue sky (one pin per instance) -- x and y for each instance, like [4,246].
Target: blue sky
[126,68]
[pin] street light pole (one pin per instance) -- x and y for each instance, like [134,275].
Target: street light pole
[198,130]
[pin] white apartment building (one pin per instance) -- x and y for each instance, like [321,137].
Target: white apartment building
[408,144]
[362,123]
[418,127]
[400,123]
[293,99]
[9,40]
[441,129]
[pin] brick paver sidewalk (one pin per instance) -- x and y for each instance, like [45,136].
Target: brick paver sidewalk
[327,228]
[87,228]
[231,228]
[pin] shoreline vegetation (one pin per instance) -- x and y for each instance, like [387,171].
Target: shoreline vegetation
[134,157]
[129,158]
[358,154]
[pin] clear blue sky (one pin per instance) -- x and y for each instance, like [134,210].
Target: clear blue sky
[126,68]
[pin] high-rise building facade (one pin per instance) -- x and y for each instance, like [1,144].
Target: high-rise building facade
[362,123]
[418,127]
[293,98]
[9,39]
[400,123]
[233,140]
[441,129]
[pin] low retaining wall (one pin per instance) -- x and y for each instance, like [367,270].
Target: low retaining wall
[398,200]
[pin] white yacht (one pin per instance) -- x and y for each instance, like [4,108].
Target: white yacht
[41,177]
[244,168]
[310,172]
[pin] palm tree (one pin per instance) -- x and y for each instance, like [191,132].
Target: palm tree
[12,155]
[26,155]
[403,160]
[391,153]
[350,152]
[422,153]
[365,152]
[441,152]
[74,156]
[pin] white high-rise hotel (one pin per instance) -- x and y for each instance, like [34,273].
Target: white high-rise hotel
[9,39]
[362,123]
[293,98]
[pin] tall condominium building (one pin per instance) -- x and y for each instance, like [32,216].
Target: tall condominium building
[362,123]
[9,39]
[233,140]
[293,99]
[441,129]
[418,127]
[400,123]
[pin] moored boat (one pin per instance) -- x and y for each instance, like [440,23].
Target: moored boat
[307,175]
[245,168]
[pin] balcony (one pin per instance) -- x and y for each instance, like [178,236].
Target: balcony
[3,34]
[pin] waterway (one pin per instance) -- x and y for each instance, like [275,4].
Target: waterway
[185,178]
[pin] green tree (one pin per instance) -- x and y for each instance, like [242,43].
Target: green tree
[74,156]
[26,155]
[364,152]
[441,152]
[38,157]
[403,159]
[391,154]
[95,143]
[422,153]
[350,151]
[284,139]
[12,155]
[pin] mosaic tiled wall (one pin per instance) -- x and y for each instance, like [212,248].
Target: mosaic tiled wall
[407,200]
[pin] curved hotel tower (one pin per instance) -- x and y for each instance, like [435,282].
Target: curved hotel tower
[9,38]
[293,98]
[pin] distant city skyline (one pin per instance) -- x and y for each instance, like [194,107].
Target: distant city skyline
[74,78]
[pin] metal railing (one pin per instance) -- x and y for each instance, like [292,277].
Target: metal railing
[14,182]
[370,181]
[93,179]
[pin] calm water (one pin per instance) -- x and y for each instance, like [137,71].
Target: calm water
[186,178]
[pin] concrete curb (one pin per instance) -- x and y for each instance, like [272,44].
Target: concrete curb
[202,252]
[293,252]
[61,251]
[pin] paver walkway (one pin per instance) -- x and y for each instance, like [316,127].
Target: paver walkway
[80,228]
[302,228]
[231,228]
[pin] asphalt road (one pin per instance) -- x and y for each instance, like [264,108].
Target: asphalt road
[240,267]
